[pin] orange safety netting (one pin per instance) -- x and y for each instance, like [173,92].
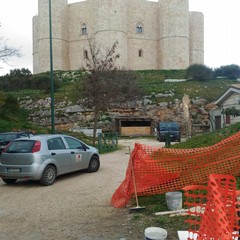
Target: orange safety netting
[160,170]
[213,209]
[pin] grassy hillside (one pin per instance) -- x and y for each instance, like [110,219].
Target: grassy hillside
[17,120]
[209,139]
[151,81]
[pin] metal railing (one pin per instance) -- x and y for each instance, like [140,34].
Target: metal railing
[107,141]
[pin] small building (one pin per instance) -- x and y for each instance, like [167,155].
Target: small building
[134,126]
[226,109]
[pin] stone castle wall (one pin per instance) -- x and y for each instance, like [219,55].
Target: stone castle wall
[171,38]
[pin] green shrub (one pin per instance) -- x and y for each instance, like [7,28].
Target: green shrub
[229,71]
[43,82]
[200,72]
[10,104]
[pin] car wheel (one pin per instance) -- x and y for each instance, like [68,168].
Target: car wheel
[48,176]
[94,164]
[9,180]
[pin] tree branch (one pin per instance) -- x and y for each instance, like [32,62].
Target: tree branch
[7,52]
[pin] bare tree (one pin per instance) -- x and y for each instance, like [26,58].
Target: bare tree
[7,52]
[105,84]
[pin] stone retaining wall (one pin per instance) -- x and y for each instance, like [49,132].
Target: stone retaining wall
[190,114]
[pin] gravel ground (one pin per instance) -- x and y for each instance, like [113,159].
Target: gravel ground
[76,206]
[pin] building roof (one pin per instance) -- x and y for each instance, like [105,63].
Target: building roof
[129,118]
[231,90]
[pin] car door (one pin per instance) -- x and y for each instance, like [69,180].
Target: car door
[79,154]
[60,154]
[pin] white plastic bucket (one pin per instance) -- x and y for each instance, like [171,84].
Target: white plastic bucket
[174,200]
[155,233]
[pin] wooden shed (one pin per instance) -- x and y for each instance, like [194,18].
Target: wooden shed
[134,126]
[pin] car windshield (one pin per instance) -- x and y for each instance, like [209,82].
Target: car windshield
[23,146]
[169,127]
[7,137]
[173,128]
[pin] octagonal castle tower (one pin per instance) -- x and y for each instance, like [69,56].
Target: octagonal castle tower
[41,45]
[111,25]
[196,40]
[151,35]
[174,34]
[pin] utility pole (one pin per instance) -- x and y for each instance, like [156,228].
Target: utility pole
[51,68]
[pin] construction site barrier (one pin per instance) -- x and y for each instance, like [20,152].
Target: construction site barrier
[213,210]
[160,170]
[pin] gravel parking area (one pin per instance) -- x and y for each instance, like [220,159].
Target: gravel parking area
[76,206]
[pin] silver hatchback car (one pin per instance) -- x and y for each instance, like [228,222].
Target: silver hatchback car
[44,157]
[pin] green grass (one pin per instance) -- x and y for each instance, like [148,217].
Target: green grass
[153,82]
[66,92]
[34,94]
[146,218]
[209,139]
[157,75]
[17,120]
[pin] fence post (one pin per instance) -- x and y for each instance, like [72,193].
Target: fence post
[167,140]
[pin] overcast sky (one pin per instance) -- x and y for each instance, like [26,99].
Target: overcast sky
[222,30]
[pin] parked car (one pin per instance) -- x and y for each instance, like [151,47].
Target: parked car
[168,129]
[44,157]
[7,137]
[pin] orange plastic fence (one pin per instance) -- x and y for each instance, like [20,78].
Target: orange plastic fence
[159,170]
[213,209]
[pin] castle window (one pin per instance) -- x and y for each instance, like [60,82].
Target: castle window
[84,29]
[85,54]
[140,52]
[139,28]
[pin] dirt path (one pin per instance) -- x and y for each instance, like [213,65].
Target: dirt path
[77,206]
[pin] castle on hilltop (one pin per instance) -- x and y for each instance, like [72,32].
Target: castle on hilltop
[151,35]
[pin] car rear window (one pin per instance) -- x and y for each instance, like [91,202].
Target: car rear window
[23,146]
